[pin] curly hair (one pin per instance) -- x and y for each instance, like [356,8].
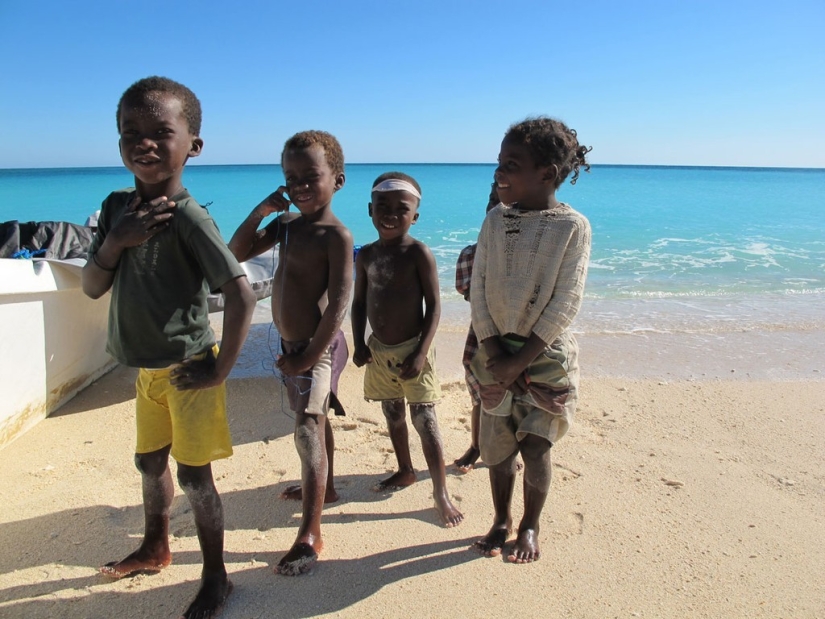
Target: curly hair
[333,153]
[551,142]
[137,93]
[398,176]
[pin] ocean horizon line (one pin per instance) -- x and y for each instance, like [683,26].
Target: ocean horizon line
[640,166]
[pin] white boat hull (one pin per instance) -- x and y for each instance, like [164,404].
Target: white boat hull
[52,340]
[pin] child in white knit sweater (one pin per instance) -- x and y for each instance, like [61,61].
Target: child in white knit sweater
[527,285]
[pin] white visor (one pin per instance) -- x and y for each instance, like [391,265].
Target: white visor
[397,184]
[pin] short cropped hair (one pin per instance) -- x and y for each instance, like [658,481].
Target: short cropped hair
[398,176]
[333,153]
[137,92]
[551,142]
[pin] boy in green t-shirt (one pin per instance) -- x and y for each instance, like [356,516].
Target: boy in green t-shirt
[160,253]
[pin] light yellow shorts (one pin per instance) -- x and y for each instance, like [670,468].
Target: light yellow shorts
[193,422]
[381,381]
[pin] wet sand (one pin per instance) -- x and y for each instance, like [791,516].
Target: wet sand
[683,489]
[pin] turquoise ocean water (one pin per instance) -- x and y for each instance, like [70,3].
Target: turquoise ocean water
[675,249]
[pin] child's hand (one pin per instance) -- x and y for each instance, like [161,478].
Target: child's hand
[508,372]
[196,374]
[412,366]
[293,364]
[276,202]
[362,356]
[141,221]
[521,384]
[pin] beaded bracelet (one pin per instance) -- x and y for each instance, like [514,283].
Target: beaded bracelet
[100,266]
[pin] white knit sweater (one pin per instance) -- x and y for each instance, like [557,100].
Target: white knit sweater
[529,271]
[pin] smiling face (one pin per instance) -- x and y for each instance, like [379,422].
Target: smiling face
[518,180]
[310,181]
[155,143]
[393,212]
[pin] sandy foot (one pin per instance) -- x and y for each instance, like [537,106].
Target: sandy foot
[299,560]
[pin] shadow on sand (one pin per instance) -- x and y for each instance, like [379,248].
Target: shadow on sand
[61,544]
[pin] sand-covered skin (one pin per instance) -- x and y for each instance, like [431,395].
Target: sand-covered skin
[670,498]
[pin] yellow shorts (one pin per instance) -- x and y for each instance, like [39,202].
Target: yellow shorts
[193,422]
[381,380]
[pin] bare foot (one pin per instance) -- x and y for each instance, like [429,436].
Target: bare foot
[396,481]
[465,463]
[450,516]
[299,560]
[492,544]
[294,493]
[526,547]
[211,598]
[139,562]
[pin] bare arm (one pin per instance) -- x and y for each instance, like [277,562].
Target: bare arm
[247,241]
[358,315]
[138,223]
[99,273]
[338,293]
[428,275]
[428,272]
[238,308]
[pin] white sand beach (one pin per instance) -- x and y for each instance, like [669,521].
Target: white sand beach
[677,493]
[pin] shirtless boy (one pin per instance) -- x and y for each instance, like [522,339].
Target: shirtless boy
[396,289]
[160,253]
[310,293]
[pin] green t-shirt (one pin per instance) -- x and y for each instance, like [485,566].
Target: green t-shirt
[158,314]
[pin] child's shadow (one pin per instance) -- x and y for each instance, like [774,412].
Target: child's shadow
[61,544]
[75,537]
[258,591]
[345,582]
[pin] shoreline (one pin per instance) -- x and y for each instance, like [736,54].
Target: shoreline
[672,496]
[790,353]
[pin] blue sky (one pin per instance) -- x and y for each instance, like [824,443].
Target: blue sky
[671,82]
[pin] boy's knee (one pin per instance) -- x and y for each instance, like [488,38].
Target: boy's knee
[507,466]
[537,467]
[423,418]
[194,477]
[393,410]
[534,447]
[153,464]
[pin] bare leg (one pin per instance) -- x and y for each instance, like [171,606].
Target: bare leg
[153,553]
[294,492]
[395,414]
[502,482]
[425,423]
[537,474]
[207,509]
[465,463]
[310,442]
